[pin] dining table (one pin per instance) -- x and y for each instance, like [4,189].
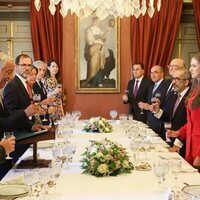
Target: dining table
[73,184]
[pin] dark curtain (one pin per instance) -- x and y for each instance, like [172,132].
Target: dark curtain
[196,5]
[46,32]
[152,39]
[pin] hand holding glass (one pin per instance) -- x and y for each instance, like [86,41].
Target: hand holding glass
[6,136]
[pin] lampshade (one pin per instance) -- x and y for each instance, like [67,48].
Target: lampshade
[103,8]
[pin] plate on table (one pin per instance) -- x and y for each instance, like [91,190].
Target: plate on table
[143,166]
[9,191]
[192,191]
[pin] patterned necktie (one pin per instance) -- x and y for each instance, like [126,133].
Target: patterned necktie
[42,86]
[135,90]
[176,103]
[28,86]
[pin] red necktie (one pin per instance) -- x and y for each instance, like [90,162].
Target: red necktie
[135,90]
[28,86]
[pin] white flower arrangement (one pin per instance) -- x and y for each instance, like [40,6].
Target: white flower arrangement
[106,158]
[98,124]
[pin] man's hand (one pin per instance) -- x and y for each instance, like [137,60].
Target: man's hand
[48,100]
[125,98]
[173,134]
[196,162]
[39,127]
[8,144]
[31,110]
[174,149]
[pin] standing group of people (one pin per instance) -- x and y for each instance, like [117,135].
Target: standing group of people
[20,110]
[175,100]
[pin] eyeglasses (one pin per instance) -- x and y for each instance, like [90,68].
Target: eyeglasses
[25,65]
[178,79]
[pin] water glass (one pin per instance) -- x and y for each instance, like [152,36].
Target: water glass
[113,114]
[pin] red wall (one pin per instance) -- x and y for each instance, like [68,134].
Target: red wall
[94,104]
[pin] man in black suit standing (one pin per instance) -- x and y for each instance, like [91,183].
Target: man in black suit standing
[174,111]
[137,90]
[158,90]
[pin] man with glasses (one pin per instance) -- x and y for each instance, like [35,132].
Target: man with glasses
[18,96]
[174,111]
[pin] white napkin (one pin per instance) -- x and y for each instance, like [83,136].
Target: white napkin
[167,194]
[169,156]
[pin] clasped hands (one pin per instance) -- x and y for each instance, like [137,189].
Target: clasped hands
[154,107]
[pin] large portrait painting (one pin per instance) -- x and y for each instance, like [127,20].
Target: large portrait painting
[97,55]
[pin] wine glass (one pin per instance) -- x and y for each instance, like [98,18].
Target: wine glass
[146,144]
[68,151]
[167,125]
[159,171]
[36,98]
[113,114]
[55,169]
[6,136]
[44,177]
[30,178]
[134,145]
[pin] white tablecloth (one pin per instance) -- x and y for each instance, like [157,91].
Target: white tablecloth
[139,185]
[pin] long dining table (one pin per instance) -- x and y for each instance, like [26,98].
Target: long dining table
[138,185]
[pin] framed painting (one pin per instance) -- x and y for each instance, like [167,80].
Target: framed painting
[97,47]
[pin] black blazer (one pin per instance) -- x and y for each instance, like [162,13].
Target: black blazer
[152,121]
[142,95]
[11,122]
[178,119]
[17,98]
[37,89]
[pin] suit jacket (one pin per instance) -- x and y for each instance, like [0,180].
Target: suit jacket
[191,131]
[17,98]
[11,122]
[152,121]
[37,89]
[142,95]
[178,119]
[2,154]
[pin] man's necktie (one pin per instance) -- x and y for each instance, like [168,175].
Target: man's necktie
[154,88]
[42,86]
[135,90]
[176,103]
[28,86]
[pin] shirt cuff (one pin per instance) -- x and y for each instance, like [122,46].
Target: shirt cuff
[178,143]
[158,114]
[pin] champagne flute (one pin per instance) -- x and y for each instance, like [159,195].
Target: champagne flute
[6,136]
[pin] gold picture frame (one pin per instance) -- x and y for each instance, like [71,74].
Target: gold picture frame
[97,50]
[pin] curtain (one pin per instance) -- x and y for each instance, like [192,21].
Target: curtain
[196,5]
[46,32]
[153,39]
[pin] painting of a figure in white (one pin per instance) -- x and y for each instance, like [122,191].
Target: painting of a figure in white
[98,53]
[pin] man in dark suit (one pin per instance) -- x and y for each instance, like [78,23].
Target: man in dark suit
[9,122]
[137,91]
[17,92]
[157,90]
[174,111]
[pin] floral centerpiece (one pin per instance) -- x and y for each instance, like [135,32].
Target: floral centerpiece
[98,124]
[106,158]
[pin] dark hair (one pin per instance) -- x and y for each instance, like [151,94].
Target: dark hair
[17,59]
[36,69]
[50,61]
[139,63]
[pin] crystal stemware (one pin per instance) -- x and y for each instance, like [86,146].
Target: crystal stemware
[113,114]
[168,126]
[6,136]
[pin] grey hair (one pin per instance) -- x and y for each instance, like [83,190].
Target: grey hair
[38,63]
[4,57]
